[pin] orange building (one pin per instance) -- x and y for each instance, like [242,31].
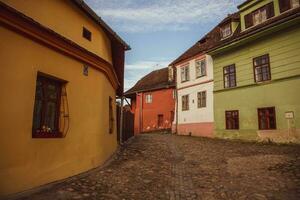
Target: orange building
[153,102]
[62,69]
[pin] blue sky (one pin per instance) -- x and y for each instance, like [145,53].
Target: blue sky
[158,31]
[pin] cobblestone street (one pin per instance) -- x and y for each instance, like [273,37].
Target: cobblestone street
[177,167]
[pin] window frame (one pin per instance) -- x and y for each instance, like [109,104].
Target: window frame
[223,28]
[150,100]
[229,73]
[285,6]
[259,118]
[86,34]
[261,66]
[186,70]
[200,68]
[200,99]
[48,79]
[186,107]
[238,119]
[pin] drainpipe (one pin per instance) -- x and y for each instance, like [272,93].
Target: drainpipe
[121,121]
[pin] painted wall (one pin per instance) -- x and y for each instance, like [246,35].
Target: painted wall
[67,20]
[26,162]
[196,121]
[146,114]
[282,91]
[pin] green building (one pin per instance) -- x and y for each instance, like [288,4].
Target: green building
[257,72]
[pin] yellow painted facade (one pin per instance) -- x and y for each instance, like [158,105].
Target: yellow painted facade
[26,162]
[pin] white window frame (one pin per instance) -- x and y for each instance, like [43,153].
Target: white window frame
[149,98]
[260,17]
[200,97]
[295,3]
[185,73]
[200,67]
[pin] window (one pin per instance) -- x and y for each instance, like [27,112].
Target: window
[201,99]
[232,119]
[86,34]
[170,74]
[185,73]
[262,68]
[285,5]
[259,16]
[185,102]
[148,98]
[111,116]
[266,118]
[226,30]
[47,107]
[229,76]
[160,121]
[200,68]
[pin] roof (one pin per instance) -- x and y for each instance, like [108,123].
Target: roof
[207,42]
[155,80]
[89,12]
[213,40]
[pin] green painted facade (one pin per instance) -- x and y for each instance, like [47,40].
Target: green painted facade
[282,43]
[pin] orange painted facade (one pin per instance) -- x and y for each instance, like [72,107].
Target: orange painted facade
[204,129]
[157,115]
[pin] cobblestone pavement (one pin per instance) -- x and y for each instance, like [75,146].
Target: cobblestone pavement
[178,167]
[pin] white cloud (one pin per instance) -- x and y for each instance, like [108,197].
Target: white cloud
[157,15]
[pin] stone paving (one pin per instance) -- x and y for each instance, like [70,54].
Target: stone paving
[180,167]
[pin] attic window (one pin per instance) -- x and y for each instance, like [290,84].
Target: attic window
[260,15]
[226,30]
[285,5]
[86,34]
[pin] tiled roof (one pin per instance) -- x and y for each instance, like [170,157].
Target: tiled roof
[213,40]
[155,80]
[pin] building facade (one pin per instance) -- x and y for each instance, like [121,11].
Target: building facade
[257,72]
[194,84]
[62,70]
[153,102]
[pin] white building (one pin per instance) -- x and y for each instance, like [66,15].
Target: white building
[194,84]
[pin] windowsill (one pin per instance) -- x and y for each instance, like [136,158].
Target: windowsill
[201,107]
[47,135]
[200,76]
[267,129]
[262,82]
[184,81]
[185,110]
[230,87]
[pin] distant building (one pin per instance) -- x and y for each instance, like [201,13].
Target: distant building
[153,102]
[61,70]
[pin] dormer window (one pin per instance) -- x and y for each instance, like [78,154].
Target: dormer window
[288,4]
[226,30]
[259,16]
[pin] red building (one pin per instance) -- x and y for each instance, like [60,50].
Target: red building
[153,102]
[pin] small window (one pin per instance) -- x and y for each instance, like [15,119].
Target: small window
[229,78]
[86,34]
[111,116]
[226,30]
[261,66]
[200,68]
[266,118]
[185,73]
[46,113]
[160,121]
[201,99]
[285,5]
[174,94]
[148,98]
[232,119]
[185,102]
[259,16]
[170,74]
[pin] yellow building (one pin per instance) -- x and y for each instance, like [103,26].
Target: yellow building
[61,70]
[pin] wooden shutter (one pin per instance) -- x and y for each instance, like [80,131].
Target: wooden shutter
[284,5]
[248,20]
[270,10]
